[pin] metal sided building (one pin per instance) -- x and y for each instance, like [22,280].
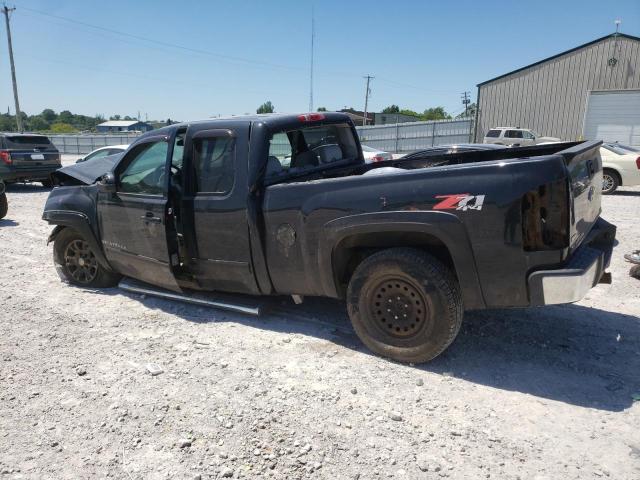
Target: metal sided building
[591,91]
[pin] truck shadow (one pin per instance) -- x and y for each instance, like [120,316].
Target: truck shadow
[573,354]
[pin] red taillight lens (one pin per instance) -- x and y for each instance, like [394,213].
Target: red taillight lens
[377,158]
[311,117]
[5,157]
[638,163]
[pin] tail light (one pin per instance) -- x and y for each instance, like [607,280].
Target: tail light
[638,163]
[5,157]
[377,158]
[311,117]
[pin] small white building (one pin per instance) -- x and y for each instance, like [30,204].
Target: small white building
[114,126]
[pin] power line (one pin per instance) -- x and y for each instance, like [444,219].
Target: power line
[466,101]
[366,99]
[313,32]
[6,12]
[163,43]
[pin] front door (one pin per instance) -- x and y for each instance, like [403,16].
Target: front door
[133,220]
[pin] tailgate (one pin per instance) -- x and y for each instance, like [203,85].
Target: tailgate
[585,176]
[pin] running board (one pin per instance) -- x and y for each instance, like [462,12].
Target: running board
[133,286]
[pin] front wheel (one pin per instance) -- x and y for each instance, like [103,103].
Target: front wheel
[405,304]
[610,181]
[76,262]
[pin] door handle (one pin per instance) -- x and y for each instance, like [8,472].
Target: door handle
[149,218]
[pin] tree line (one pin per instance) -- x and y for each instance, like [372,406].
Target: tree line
[433,113]
[49,121]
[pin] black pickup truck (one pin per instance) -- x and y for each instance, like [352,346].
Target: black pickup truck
[285,205]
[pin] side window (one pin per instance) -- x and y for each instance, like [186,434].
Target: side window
[280,150]
[527,135]
[145,172]
[493,133]
[513,134]
[213,166]
[178,150]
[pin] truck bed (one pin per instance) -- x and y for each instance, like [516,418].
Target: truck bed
[516,193]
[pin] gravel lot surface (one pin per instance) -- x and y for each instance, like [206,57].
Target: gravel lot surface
[532,394]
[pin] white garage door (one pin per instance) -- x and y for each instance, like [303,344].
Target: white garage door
[613,116]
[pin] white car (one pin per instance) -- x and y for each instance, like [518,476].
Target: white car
[516,137]
[620,165]
[373,155]
[104,152]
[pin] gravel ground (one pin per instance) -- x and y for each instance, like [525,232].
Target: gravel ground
[532,394]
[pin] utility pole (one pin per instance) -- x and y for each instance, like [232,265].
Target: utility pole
[6,12]
[366,98]
[313,34]
[466,101]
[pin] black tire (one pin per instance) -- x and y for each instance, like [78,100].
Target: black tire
[4,205]
[47,183]
[610,181]
[76,263]
[423,297]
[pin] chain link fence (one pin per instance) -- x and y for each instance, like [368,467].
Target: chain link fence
[82,144]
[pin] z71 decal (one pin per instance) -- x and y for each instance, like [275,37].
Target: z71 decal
[459,201]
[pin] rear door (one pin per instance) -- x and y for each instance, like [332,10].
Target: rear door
[513,137]
[214,208]
[133,220]
[31,151]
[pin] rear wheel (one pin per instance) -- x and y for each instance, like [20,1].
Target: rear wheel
[4,205]
[405,304]
[76,262]
[610,181]
[47,183]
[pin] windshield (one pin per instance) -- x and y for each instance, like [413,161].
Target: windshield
[368,149]
[310,147]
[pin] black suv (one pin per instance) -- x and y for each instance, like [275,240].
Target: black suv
[27,157]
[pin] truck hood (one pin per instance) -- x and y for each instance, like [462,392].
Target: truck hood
[86,172]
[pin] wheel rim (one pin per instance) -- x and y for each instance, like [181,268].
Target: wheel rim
[80,261]
[398,308]
[607,182]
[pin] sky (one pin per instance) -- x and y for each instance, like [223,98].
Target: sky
[197,59]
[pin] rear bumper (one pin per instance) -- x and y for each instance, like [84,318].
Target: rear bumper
[25,174]
[583,270]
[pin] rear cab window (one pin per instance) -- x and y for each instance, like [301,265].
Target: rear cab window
[311,147]
[493,133]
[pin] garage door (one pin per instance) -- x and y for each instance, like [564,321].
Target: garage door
[613,116]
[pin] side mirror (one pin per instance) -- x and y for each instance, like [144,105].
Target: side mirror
[107,183]
[80,160]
